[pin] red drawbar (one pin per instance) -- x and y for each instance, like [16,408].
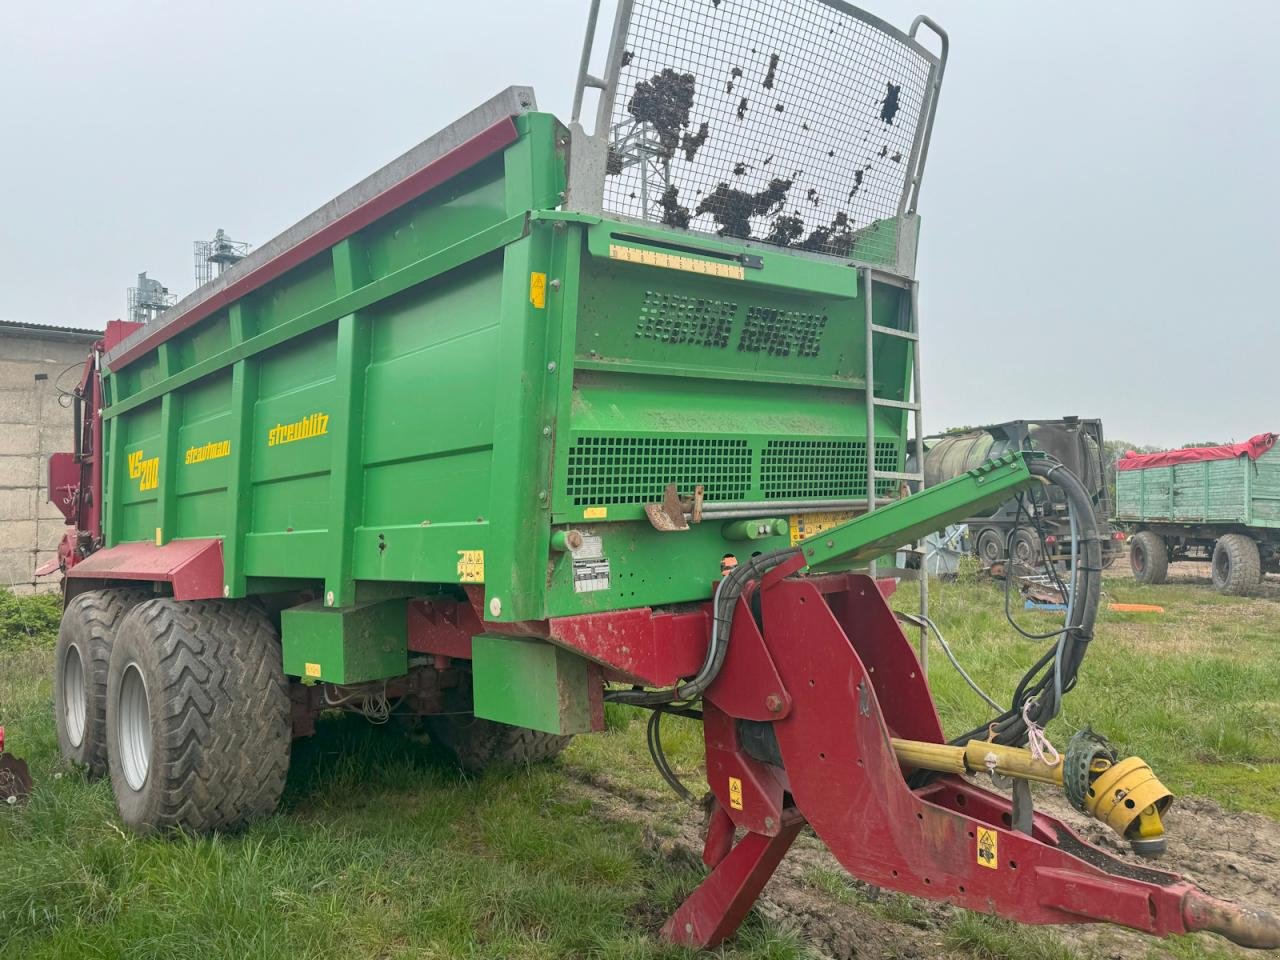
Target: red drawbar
[194,567]
[460,158]
[832,669]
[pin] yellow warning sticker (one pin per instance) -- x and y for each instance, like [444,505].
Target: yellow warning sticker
[538,289]
[805,525]
[671,261]
[735,793]
[987,853]
[313,669]
[595,513]
[159,536]
[471,566]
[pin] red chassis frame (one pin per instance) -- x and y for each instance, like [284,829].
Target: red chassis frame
[832,671]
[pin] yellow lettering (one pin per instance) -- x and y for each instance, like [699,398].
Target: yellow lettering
[312,425]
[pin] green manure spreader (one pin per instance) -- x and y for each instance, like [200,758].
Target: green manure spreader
[539,417]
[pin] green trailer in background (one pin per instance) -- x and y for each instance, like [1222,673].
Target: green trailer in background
[1220,504]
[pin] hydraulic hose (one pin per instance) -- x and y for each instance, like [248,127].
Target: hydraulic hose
[726,599]
[1054,673]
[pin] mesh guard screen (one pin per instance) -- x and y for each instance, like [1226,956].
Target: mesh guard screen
[790,122]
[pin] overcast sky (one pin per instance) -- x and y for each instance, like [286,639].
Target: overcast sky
[1100,208]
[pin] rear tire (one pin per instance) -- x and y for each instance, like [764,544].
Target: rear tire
[990,546]
[1148,558]
[1237,566]
[477,744]
[85,637]
[198,717]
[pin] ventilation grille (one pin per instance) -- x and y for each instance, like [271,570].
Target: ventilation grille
[801,469]
[615,470]
[782,333]
[697,321]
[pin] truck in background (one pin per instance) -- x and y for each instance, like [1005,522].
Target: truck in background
[1074,441]
[1219,503]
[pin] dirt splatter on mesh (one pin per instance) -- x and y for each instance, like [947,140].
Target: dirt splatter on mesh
[673,214]
[664,101]
[692,142]
[772,73]
[889,106]
[786,230]
[836,239]
[733,209]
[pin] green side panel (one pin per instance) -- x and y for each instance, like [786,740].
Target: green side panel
[530,683]
[1264,502]
[348,645]
[1238,491]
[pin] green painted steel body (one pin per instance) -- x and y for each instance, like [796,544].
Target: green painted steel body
[351,644]
[867,537]
[1239,491]
[415,408]
[530,683]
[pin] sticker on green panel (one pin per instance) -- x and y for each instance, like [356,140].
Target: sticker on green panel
[315,425]
[213,450]
[144,469]
[590,566]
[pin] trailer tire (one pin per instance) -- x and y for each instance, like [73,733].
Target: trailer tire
[989,546]
[477,744]
[1237,566]
[198,716]
[85,637]
[1148,558]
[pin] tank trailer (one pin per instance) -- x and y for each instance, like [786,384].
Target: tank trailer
[537,418]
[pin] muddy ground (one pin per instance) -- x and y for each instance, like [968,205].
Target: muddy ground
[1235,856]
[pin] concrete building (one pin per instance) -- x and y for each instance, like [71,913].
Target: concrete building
[35,362]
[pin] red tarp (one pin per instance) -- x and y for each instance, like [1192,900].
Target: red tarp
[1253,448]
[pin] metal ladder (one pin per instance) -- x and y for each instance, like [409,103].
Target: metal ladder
[909,330]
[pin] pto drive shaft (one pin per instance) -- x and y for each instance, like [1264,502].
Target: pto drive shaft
[1125,795]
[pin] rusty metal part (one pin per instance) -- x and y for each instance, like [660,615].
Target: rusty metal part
[1243,925]
[675,512]
[15,777]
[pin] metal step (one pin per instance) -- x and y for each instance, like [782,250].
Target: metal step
[895,332]
[896,404]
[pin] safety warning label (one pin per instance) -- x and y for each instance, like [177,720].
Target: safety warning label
[987,848]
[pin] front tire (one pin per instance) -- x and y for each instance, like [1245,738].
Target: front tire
[85,638]
[198,720]
[1148,558]
[1237,566]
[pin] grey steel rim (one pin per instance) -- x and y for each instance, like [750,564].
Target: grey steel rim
[133,727]
[75,700]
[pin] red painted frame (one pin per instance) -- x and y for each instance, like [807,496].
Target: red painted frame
[837,677]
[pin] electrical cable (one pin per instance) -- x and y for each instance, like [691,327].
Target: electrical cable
[653,736]
[918,620]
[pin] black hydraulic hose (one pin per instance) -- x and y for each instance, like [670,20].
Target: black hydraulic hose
[726,599]
[1054,673]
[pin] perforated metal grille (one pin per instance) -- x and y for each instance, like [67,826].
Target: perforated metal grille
[795,469]
[615,470]
[787,121]
[782,333]
[697,321]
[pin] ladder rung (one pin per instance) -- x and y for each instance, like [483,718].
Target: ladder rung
[896,404]
[895,332]
[893,475]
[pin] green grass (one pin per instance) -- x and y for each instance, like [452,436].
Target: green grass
[381,850]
